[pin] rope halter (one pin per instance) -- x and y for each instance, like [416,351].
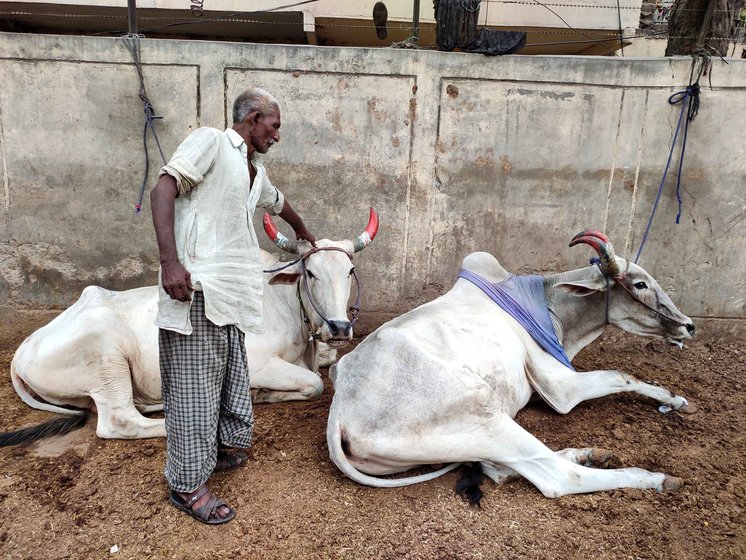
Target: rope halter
[607,264]
[353,309]
[359,243]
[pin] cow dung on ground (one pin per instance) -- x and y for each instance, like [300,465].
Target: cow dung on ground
[76,496]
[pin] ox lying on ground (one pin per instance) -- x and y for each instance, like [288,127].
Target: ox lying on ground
[442,383]
[102,353]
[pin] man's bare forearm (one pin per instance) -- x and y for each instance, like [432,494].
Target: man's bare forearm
[175,279]
[295,222]
[162,207]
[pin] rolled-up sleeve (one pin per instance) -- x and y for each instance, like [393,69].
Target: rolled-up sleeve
[193,158]
[271,199]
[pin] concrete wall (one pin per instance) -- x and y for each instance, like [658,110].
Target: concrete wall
[511,155]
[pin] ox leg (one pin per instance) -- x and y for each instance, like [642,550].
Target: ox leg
[588,456]
[327,355]
[556,476]
[563,388]
[148,408]
[280,381]
[507,448]
[118,418]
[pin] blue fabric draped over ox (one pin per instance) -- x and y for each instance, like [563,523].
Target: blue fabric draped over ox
[522,297]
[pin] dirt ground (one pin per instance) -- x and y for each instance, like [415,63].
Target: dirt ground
[79,497]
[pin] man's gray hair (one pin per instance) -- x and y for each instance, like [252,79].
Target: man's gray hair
[254,99]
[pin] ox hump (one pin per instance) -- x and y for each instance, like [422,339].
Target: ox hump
[485,265]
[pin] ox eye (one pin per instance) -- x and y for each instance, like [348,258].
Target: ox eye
[351,271]
[640,285]
[310,274]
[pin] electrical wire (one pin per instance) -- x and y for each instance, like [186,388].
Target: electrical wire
[578,32]
[231,18]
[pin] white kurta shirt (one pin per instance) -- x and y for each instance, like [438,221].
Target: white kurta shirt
[214,231]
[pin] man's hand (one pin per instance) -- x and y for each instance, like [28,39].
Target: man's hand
[300,229]
[303,233]
[176,281]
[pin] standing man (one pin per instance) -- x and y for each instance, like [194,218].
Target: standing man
[210,286]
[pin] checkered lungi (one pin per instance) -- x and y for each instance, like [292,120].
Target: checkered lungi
[206,396]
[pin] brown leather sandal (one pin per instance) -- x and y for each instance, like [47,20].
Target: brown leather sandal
[230,459]
[206,513]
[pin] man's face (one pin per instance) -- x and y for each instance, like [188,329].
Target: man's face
[266,132]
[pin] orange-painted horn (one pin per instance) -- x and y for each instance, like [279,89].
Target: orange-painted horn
[367,237]
[278,237]
[603,247]
[594,233]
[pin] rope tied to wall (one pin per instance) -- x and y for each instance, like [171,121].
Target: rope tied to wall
[132,42]
[689,100]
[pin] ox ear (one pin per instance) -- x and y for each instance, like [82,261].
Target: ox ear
[581,288]
[284,278]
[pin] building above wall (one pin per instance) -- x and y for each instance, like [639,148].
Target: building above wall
[577,27]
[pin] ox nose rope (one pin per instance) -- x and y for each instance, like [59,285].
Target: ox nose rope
[620,282]
[354,309]
[597,262]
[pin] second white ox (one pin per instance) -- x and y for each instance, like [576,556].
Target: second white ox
[442,383]
[102,353]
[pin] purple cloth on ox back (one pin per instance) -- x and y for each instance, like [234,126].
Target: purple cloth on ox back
[522,297]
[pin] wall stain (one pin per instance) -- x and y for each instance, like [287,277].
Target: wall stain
[546,94]
[342,86]
[374,110]
[507,166]
[487,163]
[336,121]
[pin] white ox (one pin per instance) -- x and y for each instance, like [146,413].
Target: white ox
[102,353]
[443,383]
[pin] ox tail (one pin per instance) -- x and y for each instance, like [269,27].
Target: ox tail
[469,485]
[56,426]
[339,457]
[26,396]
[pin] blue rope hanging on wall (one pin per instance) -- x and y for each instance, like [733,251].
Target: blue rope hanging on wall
[689,100]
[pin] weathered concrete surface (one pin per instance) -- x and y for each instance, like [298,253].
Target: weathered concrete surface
[511,155]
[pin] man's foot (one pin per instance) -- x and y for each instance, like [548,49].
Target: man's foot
[230,459]
[203,506]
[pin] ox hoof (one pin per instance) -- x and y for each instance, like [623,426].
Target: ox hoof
[688,408]
[671,483]
[603,458]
